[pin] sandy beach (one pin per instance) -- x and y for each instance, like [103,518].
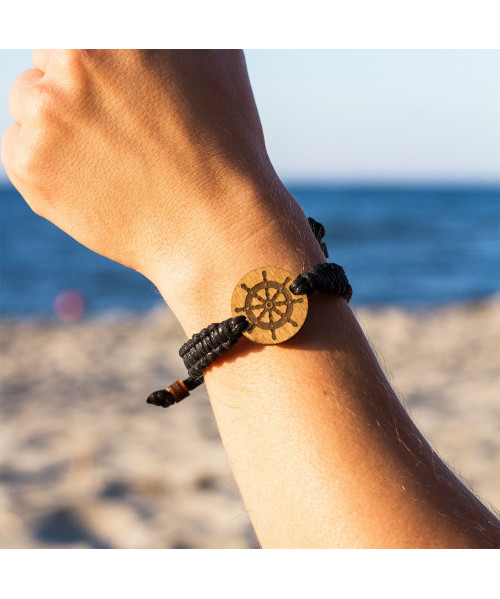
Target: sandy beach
[85,462]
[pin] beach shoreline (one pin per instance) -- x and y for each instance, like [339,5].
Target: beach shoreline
[85,462]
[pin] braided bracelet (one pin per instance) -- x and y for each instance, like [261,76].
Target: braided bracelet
[266,308]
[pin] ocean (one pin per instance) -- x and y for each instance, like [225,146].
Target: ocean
[412,246]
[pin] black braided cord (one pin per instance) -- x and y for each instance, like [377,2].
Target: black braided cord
[319,232]
[206,346]
[325,277]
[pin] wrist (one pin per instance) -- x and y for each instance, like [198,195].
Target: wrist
[273,231]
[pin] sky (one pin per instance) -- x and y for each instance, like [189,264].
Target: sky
[366,115]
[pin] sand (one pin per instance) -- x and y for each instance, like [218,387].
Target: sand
[85,462]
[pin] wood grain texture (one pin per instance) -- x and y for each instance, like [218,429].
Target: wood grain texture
[274,312]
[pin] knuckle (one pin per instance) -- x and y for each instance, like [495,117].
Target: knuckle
[88,60]
[135,55]
[80,71]
[29,160]
[72,67]
[93,55]
[69,59]
[18,94]
[23,162]
[138,58]
[41,104]
[29,170]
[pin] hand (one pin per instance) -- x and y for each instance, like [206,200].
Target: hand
[155,159]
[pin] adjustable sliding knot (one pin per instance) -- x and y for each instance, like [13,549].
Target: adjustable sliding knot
[204,347]
[326,278]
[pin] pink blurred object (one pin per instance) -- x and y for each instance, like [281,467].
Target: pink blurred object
[69,305]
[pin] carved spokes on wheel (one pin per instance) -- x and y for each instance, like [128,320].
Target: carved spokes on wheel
[274,313]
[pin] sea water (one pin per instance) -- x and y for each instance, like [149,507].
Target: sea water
[405,245]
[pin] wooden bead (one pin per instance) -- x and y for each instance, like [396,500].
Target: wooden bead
[178,390]
[264,298]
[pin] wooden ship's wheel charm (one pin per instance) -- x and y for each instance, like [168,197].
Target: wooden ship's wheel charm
[275,314]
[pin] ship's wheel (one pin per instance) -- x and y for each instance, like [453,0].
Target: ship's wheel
[264,298]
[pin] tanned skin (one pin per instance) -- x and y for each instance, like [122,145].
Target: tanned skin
[156,159]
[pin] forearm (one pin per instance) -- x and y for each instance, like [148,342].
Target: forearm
[322,450]
[156,159]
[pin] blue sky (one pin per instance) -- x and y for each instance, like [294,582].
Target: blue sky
[365,115]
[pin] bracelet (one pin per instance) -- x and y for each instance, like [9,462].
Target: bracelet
[266,308]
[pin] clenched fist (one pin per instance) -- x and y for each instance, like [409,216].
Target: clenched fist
[153,158]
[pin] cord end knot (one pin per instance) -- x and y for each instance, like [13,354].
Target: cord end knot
[167,397]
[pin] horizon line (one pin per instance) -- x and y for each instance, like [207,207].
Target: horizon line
[366,181]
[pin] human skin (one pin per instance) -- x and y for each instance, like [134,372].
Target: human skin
[156,159]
